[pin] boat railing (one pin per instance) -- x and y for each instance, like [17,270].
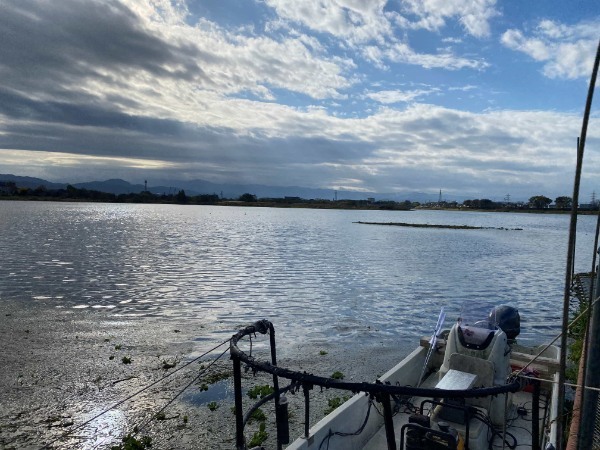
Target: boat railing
[306,381]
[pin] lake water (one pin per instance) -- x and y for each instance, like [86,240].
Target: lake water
[314,273]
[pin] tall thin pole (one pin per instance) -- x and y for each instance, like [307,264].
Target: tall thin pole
[571,257]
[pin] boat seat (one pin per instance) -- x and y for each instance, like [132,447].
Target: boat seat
[485,353]
[484,370]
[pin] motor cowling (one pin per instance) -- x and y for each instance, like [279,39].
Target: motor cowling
[507,319]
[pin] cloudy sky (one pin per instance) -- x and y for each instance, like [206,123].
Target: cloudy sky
[479,98]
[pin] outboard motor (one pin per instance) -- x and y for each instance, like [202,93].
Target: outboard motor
[507,319]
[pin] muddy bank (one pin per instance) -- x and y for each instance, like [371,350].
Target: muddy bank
[63,367]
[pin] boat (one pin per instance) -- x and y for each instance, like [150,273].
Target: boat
[468,387]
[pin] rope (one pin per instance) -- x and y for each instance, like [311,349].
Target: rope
[565,383]
[78,427]
[202,372]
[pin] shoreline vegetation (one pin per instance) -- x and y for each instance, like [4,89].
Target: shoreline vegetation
[426,225]
[537,204]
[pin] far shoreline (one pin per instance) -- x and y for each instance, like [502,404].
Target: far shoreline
[339,205]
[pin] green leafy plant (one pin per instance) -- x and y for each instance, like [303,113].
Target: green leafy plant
[213,378]
[131,443]
[259,437]
[126,360]
[337,375]
[260,391]
[258,415]
[322,353]
[213,406]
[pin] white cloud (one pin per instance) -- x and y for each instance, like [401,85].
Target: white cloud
[357,21]
[473,15]
[402,53]
[389,97]
[365,27]
[201,99]
[567,51]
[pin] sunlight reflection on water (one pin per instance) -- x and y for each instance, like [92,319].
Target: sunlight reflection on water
[314,272]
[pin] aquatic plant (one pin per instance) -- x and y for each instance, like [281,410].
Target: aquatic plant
[258,415]
[260,391]
[215,377]
[167,365]
[259,437]
[213,406]
[131,443]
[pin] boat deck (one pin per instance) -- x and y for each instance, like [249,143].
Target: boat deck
[519,426]
[337,429]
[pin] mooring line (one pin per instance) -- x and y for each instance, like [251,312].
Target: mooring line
[78,427]
[202,372]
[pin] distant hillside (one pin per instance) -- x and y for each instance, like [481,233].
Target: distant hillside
[31,182]
[198,187]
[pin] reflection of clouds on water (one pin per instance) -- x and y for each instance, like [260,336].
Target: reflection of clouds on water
[314,273]
[216,392]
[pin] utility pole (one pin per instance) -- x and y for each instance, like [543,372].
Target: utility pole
[440,197]
[145,185]
[507,198]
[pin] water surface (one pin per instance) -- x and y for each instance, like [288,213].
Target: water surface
[314,273]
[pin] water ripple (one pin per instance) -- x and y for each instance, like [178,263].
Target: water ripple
[314,272]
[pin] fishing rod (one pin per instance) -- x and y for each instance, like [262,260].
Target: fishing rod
[432,343]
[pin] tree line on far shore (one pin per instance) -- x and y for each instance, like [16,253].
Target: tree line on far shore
[535,202]
[9,189]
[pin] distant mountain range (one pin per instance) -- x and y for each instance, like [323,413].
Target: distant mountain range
[196,187]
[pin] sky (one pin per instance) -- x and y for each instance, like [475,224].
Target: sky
[477,98]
